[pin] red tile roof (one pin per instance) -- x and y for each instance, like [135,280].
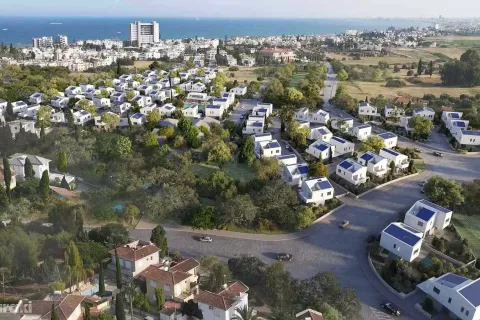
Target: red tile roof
[401,100]
[186,265]
[63,192]
[170,277]
[134,254]
[64,308]
[309,313]
[225,298]
[445,108]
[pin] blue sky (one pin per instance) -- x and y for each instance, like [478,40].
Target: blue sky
[242,8]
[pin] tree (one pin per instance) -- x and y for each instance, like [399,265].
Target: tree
[373,143]
[446,193]
[217,151]
[110,235]
[305,217]
[286,114]
[200,217]
[119,309]
[278,285]
[293,96]
[160,298]
[110,120]
[131,213]
[247,151]
[54,314]
[267,168]
[159,238]
[342,75]
[166,132]
[75,262]
[244,313]
[430,68]
[43,116]
[153,118]
[217,277]
[86,314]
[4,200]
[69,117]
[62,161]
[191,310]
[28,168]
[420,67]
[101,281]
[392,168]
[329,312]
[151,140]
[238,211]
[118,272]
[130,289]
[86,105]
[44,185]
[421,126]
[318,169]
[7,176]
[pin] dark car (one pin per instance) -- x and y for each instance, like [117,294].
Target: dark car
[417,150]
[343,224]
[438,154]
[284,257]
[390,307]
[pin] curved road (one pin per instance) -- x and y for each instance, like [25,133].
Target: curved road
[324,246]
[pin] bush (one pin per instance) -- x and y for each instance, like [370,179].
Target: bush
[233,68]
[260,78]
[395,84]
[410,73]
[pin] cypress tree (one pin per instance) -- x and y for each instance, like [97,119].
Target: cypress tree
[10,110]
[28,168]
[54,315]
[44,186]
[42,131]
[420,67]
[101,281]
[119,309]
[118,272]
[160,298]
[7,176]
[62,161]
[330,156]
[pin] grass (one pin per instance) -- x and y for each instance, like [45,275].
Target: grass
[401,56]
[238,171]
[297,77]
[419,165]
[245,73]
[142,64]
[469,228]
[466,43]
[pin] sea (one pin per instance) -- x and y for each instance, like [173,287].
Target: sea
[21,30]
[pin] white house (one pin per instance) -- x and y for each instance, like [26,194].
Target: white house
[454,125]
[267,149]
[321,149]
[59,102]
[295,174]
[73,91]
[287,159]
[138,119]
[215,111]
[301,114]
[197,96]
[125,78]
[316,190]
[318,116]
[145,89]
[343,125]
[58,117]
[376,164]
[406,123]
[149,108]
[320,133]
[457,294]
[392,111]
[3,107]
[193,87]
[263,109]
[254,125]
[389,139]
[362,132]
[27,125]
[170,92]
[190,110]
[30,111]
[425,112]
[239,90]
[85,87]
[342,146]
[35,98]
[221,102]
[101,103]
[467,137]
[428,217]
[68,308]
[158,95]
[19,106]
[366,109]
[352,171]
[117,97]
[401,161]
[229,96]
[90,93]
[121,107]
[223,305]
[449,115]
[135,257]
[39,164]
[142,101]
[81,117]
[401,241]
[166,110]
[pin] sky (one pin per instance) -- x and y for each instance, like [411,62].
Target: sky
[243,8]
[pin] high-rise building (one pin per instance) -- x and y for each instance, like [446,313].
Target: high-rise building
[42,42]
[62,40]
[144,33]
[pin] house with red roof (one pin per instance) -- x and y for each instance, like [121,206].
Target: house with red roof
[135,257]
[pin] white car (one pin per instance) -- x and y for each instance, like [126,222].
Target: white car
[205,239]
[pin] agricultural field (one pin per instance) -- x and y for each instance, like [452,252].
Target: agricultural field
[469,228]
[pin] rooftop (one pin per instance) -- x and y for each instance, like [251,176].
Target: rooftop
[435,206]
[471,132]
[403,233]
[393,153]
[136,250]
[425,214]
[363,126]
[340,140]
[138,115]
[423,109]
[472,293]
[451,280]
[387,135]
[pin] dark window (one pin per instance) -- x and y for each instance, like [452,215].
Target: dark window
[416,251]
[449,300]
[437,291]
[467,312]
[461,310]
[394,246]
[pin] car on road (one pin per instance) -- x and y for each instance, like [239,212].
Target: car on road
[437,154]
[422,183]
[205,239]
[422,191]
[284,257]
[417,150]
[343,224]
[390,307]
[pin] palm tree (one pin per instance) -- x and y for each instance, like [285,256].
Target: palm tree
[244,313]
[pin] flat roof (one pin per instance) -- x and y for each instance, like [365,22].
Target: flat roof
[436,206]
[425,214]
[338,139]
[472,293]
[387,135]
[402,234]
[393,153]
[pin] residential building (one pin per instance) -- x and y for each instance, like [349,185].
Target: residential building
[456,294]
[428,217]
[366,109]
[121,107]
[467,137]
[117,97]
[193,87]
[267,149]
[301,114]
[149,108]
[179,281]
[342,146]
[135,257]
[295,174]
[229,96]
[166,110]
[320,133]
[321,150]
[13,181]
[86,87]
[447,116]
[392,111]
[42,43]
[254,125]
[138,119]
[316,190]
[145,89]
[281,55]
[401,161]
[30,111]
[158,95]
[62,40]
[221,102]
[318,116]
[3,107]
[19,106]
[362,132]
[101,103]
[39,164]
[352,171]
[406,123]
[35,98]
[81,117]
[59,102]
[190,110]
[287,159]
[376,164]
[309,314]
[263,109]
[73,91]
[260,137]
[223,305]
[197,97]
[425,112]
[67,308]
[402,241]
[215,111]
[342,124]
[170,93]
[239,90]
[142,101]
[27,125]
[454,125]
[142,33]
[389,139]
[58,117]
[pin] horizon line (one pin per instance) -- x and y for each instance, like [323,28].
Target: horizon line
[237,17]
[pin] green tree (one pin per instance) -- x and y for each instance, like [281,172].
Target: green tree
[446,193]
[86,105]
[62,161]
[421,127]
[305,217]
[110,120]
[217,277]
[217,151]
[318,169]
[159,298]
[4,200]
[119,308]
[201,72]
[238,211]
[247,151]
[159,238]
[28,168]
[373,143]
[420,67]
[44,185]
[153,118]
[200,217]
[342,75]
[151,140]
[392,168]
[104,94]
[86,314]
[101,280]
[430,68]
[118,271]
[166,132]
[53,313]
[43,116]
[274,93]
[69,117]
[245,313]
[267,168]
[286,114]
[329,312]
[293,96]
[75,262]
[7,176]
[131,213]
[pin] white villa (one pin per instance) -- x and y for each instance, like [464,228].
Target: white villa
[135,257]
[467,137]
[320,133]
[295,174]
[366,109]
[389,139]
[316,191]
[214,111]
[376,164]
[321,149]
[342,146]
[352,171]
[362,132]
[392,111]
[428,217]
[239,90]
[402,241]
[425,112]
[190,110]
[341,124]
[401,161]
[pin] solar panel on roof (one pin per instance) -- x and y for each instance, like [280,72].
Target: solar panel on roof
[363,126]
[367,157]
[322,131]
[436,206]
[453,278]
[393,153]
[303,169]
[472,293]
[387,135]
[338,139]
[455,116]
[321,147]
[459,124]
[137,116]
[402,235]
[471,133]
[425,214]
[257,124]
[324,185]
[345,165]
[273,145]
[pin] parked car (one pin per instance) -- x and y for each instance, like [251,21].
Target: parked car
[422,183]
[438,154]
[205,239]
[417,150]
[391,308]
[343,224]
[284,257]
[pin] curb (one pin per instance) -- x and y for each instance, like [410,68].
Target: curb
[386,184]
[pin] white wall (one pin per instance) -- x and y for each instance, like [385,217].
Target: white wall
[415,222]
[399,248]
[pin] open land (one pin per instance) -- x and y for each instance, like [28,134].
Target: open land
[469,228]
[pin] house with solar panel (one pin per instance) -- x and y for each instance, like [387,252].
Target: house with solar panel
[158,95]
[101,103]
[406,123]
[425,112]
[342,124]
[142,101]
[166,110]
[320,133]
[301,114]
[81,117]
[447,116]
[229,96]
[457,294]
[190,110]
[401,241]
[214,111]
[35,98]
[73,91]
[376,164]
[221,102]
[454,125]
[401,161]
[362,132]
[85,87]
[287,159]
[30,111]
[389,139]
[58,117]
[366,109]
[342,146]
[121,87]
[392,111]
[467,137]
[321,149]
[121,107]
[295,174]
[138,119]
[117,97]
[254,125]
[319,116]
[316,190]
[352,171]
[19,106]
[90,93]
[428,217]
[267,149]
[59,102]
[239,90]
[197,97]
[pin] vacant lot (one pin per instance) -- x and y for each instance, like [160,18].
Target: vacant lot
[245,73]
[401,56]
[142,64]
[237,171]
[469,228]
[299,76]
[451,52]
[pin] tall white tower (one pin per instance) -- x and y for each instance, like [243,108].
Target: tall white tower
[144,33]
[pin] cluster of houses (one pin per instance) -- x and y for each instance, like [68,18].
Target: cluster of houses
[459,128]
[255,123]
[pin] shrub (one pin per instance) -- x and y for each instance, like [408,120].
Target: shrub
[395,84]
[233,68]
[260,78]
[410,73]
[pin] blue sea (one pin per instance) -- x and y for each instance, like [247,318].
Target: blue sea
[21,30]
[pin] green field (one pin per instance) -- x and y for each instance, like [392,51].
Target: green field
[469,228]
[466,43]
[296,78]
[237,171]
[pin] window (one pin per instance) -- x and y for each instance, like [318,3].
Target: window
[394,246]
[437,291]
[420,223]
[461,310]
[447,221]
[339,170]
[449,300]
[467,312]
[329,193]
[416,251]
[153,283]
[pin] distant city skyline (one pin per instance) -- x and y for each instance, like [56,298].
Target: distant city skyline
[245,9]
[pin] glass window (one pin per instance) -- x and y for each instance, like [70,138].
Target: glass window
[420,223]
[437,291]
[394,246]
[461,310]
[449,300]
